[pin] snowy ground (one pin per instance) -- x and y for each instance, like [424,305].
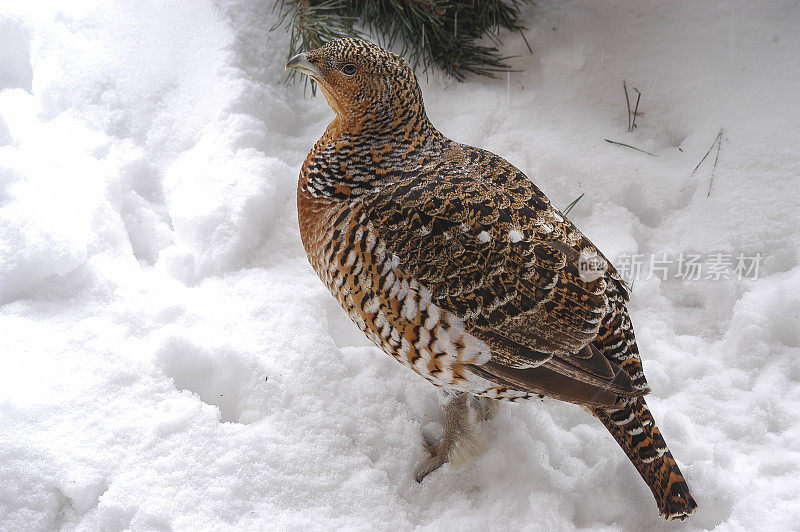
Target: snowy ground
[170,361]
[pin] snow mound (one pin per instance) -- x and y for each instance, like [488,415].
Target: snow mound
[172,362]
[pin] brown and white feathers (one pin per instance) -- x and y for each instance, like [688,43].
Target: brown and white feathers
[452,261]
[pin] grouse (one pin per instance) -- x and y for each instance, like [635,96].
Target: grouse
[453,262]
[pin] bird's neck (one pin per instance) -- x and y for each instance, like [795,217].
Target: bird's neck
[355,156]
[399,118]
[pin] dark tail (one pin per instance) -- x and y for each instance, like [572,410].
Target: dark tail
[632,425]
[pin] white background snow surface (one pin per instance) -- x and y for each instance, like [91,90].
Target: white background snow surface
[170,360]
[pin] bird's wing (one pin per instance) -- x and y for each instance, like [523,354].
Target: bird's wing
[492,250]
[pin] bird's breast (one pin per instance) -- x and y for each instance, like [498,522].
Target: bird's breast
[392,308]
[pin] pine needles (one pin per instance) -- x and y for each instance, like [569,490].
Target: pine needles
[571,205]
[444,34]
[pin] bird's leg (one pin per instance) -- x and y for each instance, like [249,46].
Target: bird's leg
[485,407]
[460,444]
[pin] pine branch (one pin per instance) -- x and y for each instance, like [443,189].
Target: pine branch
[312,24]
[430,33]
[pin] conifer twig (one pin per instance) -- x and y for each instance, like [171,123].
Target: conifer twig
[446,34]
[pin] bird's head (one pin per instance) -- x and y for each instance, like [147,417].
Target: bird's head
[365,85]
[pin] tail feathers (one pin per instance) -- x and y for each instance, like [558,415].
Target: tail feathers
[632,425]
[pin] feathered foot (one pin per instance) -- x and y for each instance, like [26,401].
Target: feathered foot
[485,407]
[460,445]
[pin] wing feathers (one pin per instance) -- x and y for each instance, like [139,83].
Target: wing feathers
[589,366]
[545,381]
[492,251]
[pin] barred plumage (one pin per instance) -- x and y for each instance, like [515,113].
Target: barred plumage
[453,262]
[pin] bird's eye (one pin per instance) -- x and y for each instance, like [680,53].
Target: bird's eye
[349,69]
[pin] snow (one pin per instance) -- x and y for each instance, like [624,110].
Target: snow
[515,235]
[172,362]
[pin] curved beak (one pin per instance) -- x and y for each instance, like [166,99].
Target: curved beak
[300,62]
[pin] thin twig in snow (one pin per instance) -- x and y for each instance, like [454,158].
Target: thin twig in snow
[716,158]
[627,103]
[635,113]
[636,108]
[629,146]
[717,139]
